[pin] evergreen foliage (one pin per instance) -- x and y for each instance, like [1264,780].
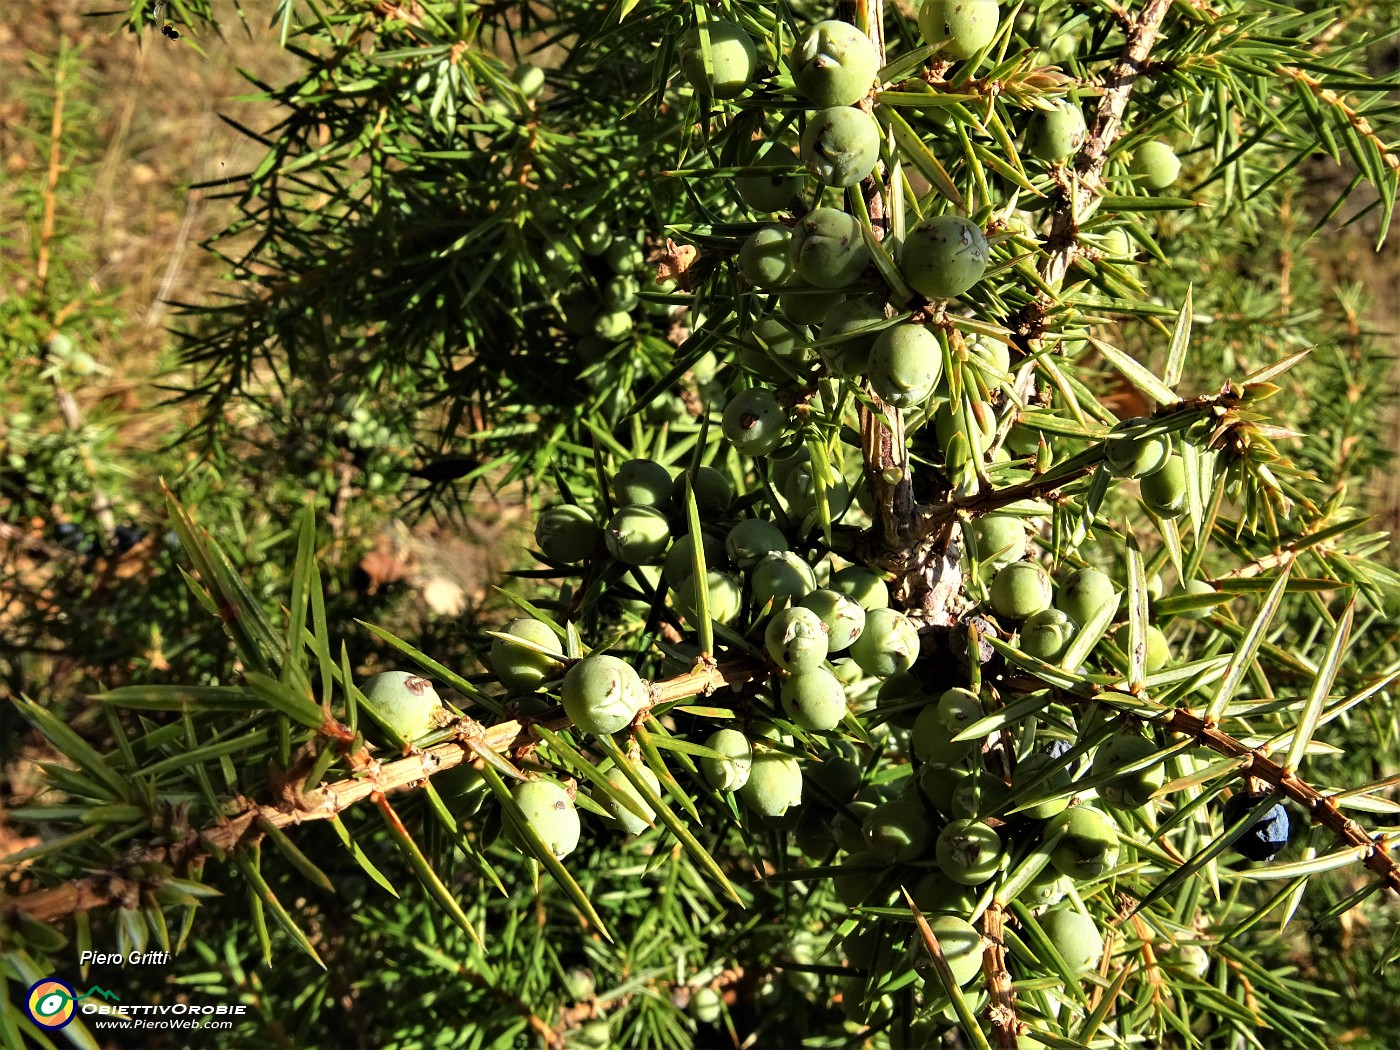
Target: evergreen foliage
[576,247]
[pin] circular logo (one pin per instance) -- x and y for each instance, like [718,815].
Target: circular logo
[51,1003]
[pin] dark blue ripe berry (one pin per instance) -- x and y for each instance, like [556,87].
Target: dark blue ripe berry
[1267,835]
[127,536]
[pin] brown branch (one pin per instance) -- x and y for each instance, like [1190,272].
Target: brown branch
[1103,132]
[246,823]
[1358,122]
[1002,1007]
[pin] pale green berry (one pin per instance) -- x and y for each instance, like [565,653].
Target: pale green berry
[407,703]
[774,784]
[961,27]
[638,535]
[754,422]
[602,694]
[642,482]
[522,669]
[724,596]
[779,576]
[834,64]
[906,363]
[1084,593]
[730,772]
[961,945]
[1075,937]
[848,336]
[567,534]
[842,615]
[944,256]
[796,640]
[841,145]
[1089,846]
[814,699]
[764,256]
[548,809]
[1020,590]
[623,817]
[1156,165]
[969,852]
[828,249]
[889,643]
[732,59]
[771,182]
[1058,132]
[751,539]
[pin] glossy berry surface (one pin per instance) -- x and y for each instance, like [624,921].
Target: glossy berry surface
[548,809]
[960,27]
[1057,133]
[406,702]
[638,535]
[732,59]
[754,422]
[1268,832]
[889,643]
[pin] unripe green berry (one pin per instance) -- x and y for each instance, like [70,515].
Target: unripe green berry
[774,784]
[548,809]
[834,64]
[751,539]
[828,249]
[602,694]
[780,576]
[522,669]
[901,699]
[679,565]
[863,585]
[706,1005]
[770,190]
[612,325]
[1131,790]
[842,615]
[724,595]
[733,59]
[961,945]
[1165,490]
[1057,133]
[1075,937]
[935,892]
[841,145]
[1129,453]
[754,422]
[1156,165]
[731,772]
[889,643]
[1001,539]
[969,852]
[803,305]
[638,535]
[933,743]
[849,355]
[898,830]
[567,533]
[906,363]
[764,256]
[1082,595]
[624,818]
[529,78]
[1089,847]
[863,872]
[800,491]
[776,349]
[643,483]
[625,256]
[713,492]
[944,256]
[1158,651]
[1021,590]
[1046,635]
[796,640]
[404,701]
[962,27]
[1191,587]
[814,699]
[1033,768]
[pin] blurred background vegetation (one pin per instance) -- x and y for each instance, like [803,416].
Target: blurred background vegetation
[114,148]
